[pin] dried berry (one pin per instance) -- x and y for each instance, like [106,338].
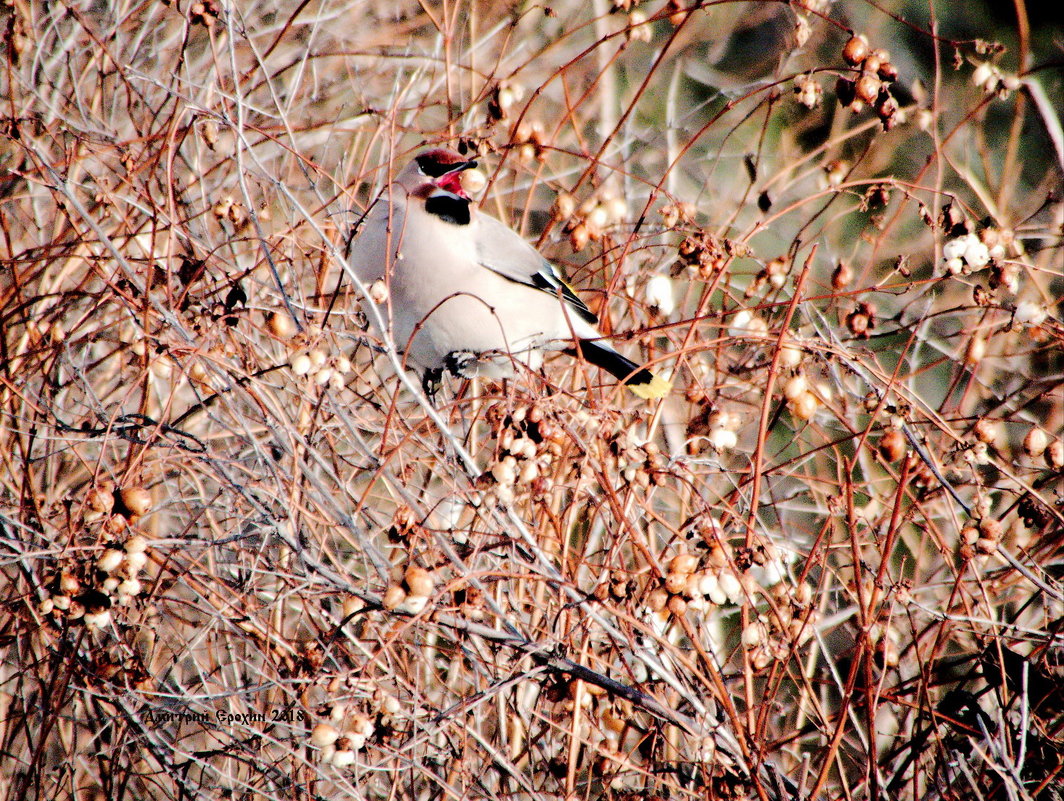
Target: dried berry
[855,50]
[892,445]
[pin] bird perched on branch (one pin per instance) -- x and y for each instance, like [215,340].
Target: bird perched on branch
[467,294]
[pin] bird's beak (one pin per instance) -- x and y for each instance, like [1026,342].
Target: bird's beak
[460,167]
[451,181]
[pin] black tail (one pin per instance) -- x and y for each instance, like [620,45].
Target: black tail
[638,379]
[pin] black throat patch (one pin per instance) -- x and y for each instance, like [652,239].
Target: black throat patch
[449,208]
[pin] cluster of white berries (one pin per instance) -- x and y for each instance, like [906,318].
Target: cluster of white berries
[770,565]
[529,136]
[965,254]
[321,368]
[233,211]
[634,458]
[723,427]
[117,571]
[115,574]
[1038,443]
[980,539]
[413,594]
[807,91]
[122,568]
[702,584]
[67,598]
[990,78]
[518,463]
[746,323]
[802,400]
[116,508]
[638,30]
[338,748]
[674,215]
[588,221]
[528,443]
[690,585]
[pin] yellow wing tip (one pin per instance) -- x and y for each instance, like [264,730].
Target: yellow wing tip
[658,387]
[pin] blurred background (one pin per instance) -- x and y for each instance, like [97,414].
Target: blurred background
[244,558]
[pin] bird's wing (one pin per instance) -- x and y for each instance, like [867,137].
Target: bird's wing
[503,251]
[366,240]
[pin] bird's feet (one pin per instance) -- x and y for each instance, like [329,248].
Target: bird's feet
[461,363]
[430,383]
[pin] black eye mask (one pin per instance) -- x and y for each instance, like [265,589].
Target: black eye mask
[434,168]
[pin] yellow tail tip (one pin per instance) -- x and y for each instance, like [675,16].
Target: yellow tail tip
[657,387]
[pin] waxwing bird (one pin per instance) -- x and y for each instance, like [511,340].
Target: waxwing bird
[467,294]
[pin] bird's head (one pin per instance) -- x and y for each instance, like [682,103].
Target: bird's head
[435,177]
[435,173]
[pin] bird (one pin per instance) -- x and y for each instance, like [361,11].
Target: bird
[466,294]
